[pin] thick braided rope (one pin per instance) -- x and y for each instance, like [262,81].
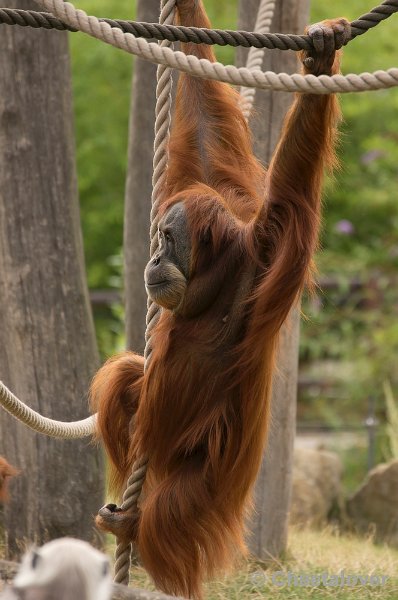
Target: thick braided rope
[130,503]
[256,55]
[208,70]
[160,160]
[50,427]
[26,18]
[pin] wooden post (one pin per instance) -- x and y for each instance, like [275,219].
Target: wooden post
[47,351]
[268,536]
[139,187]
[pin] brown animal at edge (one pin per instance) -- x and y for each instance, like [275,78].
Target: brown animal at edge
[235,250]
[6,472]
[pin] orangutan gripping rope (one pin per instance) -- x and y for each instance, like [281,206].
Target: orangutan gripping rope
[235,251]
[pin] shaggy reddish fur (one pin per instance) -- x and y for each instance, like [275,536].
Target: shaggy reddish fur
[6,471]
[201,409]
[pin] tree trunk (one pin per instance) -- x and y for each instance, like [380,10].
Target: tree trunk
[139,187]
[268,536]
[47,351]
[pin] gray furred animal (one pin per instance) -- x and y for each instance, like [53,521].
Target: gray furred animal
[64,569]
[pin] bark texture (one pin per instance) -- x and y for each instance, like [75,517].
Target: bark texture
[139,187]
[268,535]
[47,351]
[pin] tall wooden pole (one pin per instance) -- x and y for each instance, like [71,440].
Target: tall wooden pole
[268,536]
[47,343]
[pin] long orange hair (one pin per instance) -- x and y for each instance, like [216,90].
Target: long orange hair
[200,412]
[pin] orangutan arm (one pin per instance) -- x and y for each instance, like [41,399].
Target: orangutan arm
[289,225]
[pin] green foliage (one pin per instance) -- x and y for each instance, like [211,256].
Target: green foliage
[101,89]
[109,320]
[358,331]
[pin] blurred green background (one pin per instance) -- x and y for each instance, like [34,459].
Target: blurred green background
[349,339]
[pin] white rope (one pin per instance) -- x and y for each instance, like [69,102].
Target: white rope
[50,427]
[208,70]
[255,57]
[164,86]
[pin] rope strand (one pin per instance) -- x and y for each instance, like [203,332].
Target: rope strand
[160,161]
[173,33]
[35,421]
[229,74]
[255,58]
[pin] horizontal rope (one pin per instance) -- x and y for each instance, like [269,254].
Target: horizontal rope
[173,33]
[50,427]
[207,70]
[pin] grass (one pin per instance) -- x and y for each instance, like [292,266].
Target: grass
[311,553]
[324,553]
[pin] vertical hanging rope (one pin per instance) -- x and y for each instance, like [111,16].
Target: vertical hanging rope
[160,160]
[256,55]
[129,503]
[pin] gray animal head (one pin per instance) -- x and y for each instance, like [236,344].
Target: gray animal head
[65,569]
